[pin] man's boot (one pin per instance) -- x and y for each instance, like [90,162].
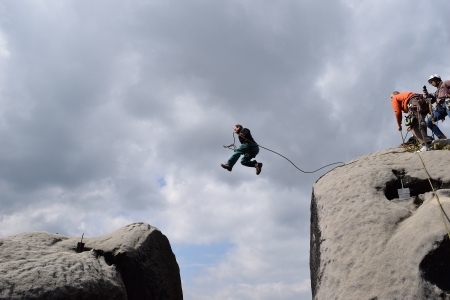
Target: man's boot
[258,167]
[227,167]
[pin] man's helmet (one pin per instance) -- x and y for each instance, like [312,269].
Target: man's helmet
[434,77]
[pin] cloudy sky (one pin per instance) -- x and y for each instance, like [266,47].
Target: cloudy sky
[113,112]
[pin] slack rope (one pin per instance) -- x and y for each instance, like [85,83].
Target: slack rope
[233,147]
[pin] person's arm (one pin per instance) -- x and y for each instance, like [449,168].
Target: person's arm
[427,96]
[397,111]
[446,87]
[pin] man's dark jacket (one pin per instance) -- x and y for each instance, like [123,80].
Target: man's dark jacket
[247,135]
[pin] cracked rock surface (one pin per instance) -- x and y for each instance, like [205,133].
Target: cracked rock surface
[134,262]
[366,243]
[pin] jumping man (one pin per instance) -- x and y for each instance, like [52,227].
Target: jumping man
[249,148]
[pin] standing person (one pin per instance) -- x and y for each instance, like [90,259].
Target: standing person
[249,148]
[442,108]
[439,97]
[414,105]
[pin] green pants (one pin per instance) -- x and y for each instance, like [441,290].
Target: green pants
[249,152]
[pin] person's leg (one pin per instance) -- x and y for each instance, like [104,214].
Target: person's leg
[418,133]
[433,127]
[258,165]
[447,111]
[418,125]
[247,159]
[237,153]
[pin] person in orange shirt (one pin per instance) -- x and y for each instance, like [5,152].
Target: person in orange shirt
[412,104]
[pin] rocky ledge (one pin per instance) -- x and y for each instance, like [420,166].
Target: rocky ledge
[134,262]
[367,243]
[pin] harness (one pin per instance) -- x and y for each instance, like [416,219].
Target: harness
[412,108]
[415,112]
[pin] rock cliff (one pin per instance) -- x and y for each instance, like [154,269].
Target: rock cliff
[366,243]
[134,262]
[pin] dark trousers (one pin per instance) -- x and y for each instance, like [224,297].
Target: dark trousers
[249,152]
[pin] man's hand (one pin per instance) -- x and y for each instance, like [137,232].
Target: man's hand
[408,128]
[399,127]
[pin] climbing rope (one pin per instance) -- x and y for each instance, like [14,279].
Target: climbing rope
[404,138]
[441,209]
[410,147]
[233,147]
[437,197]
